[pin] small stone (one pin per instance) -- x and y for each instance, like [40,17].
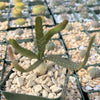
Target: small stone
[54,81]
[8,83]
[46,80]
[50,83]
[97,97]
[73,79]
[19,31]
[55,89]
[20,81]
[88,88]
[37,88]
[38,80]
[1,68]
[31,76]
[56,74]
[18,73]
[30,83]
[12,75]
[46,87]
[44,93]
[50,73]
[51,95]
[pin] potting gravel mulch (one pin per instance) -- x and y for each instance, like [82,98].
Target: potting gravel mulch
[73,40]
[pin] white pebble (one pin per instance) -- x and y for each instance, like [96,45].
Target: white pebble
[20,81]
[88,88]
[37,88]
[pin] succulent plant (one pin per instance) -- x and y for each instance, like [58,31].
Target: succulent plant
[90,2]
[0,14]
[94,72]
[20,5]
[39,9]
[96,24]
[19,31]
[50,46]
[20,21]
[2,6]
[69,27]
[17,12]
[82,53]
[54,3]
[41,41]
[16,1]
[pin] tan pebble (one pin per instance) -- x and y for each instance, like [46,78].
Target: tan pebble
[55,89]
[44,93]
[90,68]
[18,73]
[50,73]
[24,74]
[72,92]
[46,87]
[72,79]
[59,94]
[31,77]
[85,80]
[20,81]
[54,81]
[12,75]
[18,90]
[62,76]
[30,83]
[53,69]
[36,94]
[8,83]
[30,93]
[32,61]
[37,88]
[97,97]
[15,80]
[64,70]
[38,80]
[12,90]
[56,74]
[60,81]
[43,77]
[78,99]
[51,95]
[1,68]
[74,87]
[46,80]
[50,83]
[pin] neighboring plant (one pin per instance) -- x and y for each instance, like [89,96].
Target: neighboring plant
[2,6]
[16,1]
[90,2]
[39,9]
[69,27]
[54,3]
[20,5]
[82,53]
[94,72]
[0,14]
[20,21]
[19,31]
[50,46]
[17,12]
[41,41]
[84,14]
[96,24]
